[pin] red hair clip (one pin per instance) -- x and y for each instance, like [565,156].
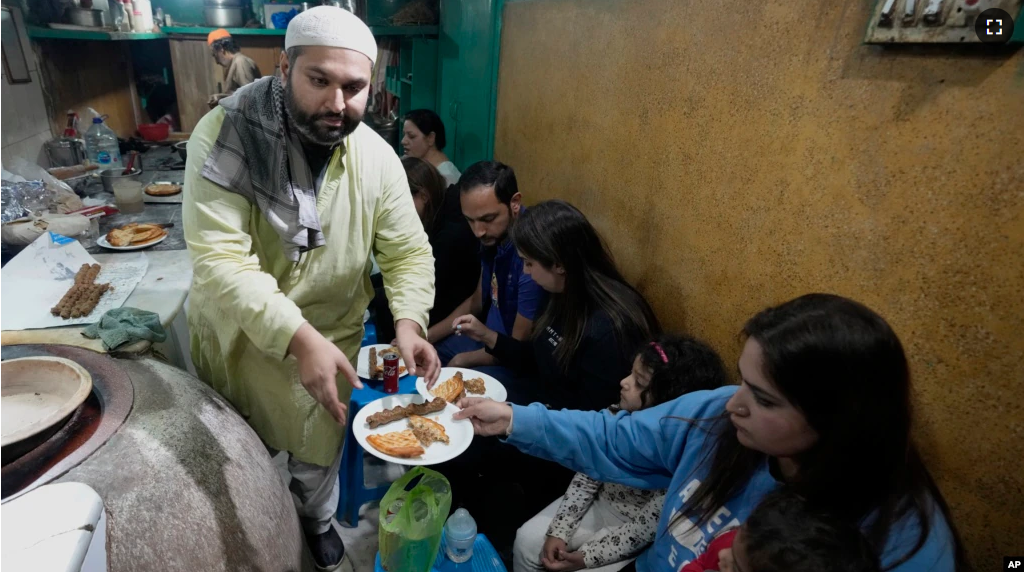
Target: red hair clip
[661,352]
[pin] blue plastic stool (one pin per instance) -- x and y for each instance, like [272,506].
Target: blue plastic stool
[354,493]
[485,559]
[369,334]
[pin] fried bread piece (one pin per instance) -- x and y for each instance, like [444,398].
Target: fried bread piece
[120,236]
[402,444]
[163,189]
[451,390]
[134,234]
[427,430]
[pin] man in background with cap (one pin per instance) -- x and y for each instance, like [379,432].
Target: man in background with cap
[239,69]
[287,195]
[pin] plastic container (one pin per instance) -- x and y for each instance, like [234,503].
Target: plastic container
[459,536]
[129,14]
[411,521]
[101,146]
[154,131]
[127,189]
[143,22]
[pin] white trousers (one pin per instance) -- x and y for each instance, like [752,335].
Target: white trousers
[526,553]
[315,489]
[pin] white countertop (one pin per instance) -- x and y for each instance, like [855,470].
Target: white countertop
[50,529]
[164,287]
[162,290]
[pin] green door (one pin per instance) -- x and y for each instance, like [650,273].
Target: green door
[468,63]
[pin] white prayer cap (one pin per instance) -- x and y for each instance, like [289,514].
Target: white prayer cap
[333,27]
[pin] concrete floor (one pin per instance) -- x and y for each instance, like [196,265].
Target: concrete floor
[361,542]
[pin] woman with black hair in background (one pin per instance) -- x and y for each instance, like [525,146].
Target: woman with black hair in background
[423,137]
[582,344]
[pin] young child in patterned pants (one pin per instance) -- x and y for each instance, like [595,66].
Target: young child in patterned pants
[603,526]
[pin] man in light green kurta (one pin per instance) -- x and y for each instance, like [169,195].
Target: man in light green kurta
[248,300]
[275,328]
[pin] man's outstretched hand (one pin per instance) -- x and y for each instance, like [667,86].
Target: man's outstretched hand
[419,356]
[319,364]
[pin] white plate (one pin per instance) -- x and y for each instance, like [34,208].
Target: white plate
[363,367]
[460,433]
[102,241]
[494,389]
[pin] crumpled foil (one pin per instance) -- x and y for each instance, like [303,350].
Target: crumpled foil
[21,199]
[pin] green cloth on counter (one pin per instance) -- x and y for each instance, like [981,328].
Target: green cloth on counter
[122,326]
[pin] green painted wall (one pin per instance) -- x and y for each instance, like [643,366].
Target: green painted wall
[183,11]
[378,12]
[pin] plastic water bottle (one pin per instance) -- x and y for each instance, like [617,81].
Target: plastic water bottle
[459,536]
[101,145]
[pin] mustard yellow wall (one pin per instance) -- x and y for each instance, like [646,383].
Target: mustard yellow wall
[736,154]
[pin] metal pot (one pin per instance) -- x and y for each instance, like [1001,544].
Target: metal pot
[91,18]
[349,5]
[357,7]
[110,175]
[224,16]
[224,3]
[65,151]
[180,148]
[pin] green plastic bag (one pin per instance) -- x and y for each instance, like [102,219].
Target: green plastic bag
[412,516]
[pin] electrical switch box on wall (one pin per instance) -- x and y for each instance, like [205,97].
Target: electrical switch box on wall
[937,21]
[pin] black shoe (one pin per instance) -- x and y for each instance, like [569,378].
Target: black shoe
[327,548]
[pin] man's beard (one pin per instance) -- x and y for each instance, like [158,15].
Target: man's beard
[311,130]
[493,241]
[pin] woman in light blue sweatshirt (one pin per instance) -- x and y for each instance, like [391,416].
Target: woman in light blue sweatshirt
[823,408]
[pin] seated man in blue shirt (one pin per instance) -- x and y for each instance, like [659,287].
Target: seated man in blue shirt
[509,299]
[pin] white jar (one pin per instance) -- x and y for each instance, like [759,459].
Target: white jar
[143,16]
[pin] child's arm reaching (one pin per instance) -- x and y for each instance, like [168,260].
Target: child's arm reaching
[627,540]
[577,500]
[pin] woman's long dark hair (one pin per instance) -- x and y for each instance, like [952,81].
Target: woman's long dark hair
[842,366]
[555,232]
[424,178]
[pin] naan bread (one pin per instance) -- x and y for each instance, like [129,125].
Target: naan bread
[401,444]
[427,430]
[451,390]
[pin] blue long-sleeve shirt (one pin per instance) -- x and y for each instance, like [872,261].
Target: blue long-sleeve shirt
[655,449]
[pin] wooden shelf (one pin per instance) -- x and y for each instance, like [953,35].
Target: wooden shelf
[377,31]
[427,31]
[38,32]
[203,31]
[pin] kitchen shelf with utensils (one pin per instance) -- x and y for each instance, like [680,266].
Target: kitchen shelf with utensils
[414,80]
[84,33]
[426,31]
